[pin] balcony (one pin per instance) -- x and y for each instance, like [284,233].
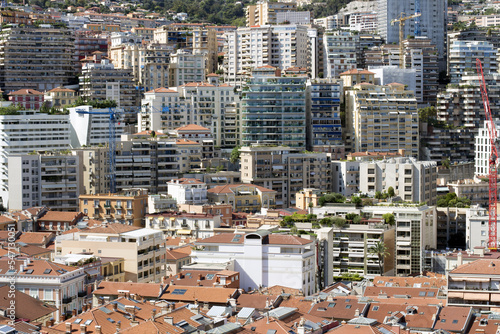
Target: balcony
[82,293]
[67,300]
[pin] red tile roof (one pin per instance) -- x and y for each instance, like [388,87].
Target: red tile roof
[356,71]
[275,239]
[186,142]
[192,127]
[108,288]
[32,308]
[26,92]
[61,216]
[162,90]
[482,267]
[38,266]
[61,89]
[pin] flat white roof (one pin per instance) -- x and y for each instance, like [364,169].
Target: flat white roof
[143,232]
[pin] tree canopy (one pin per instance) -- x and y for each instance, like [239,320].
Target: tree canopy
[451,200]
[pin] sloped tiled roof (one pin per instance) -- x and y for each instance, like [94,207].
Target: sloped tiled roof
[192,127]
[60,216]
[226,189]
[482,267]
[32,308]
[149,290]
[26,92]
[162,90]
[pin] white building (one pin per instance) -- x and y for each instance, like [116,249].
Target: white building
[197,225]
[186,67]
[476,227]
[92,129]
[385,75]
[462,58]
[363,21]
[345,177]
[188,191]
[412,180]
[416,230]
[27,132]
[55,284]
[280,46]
[263,259]
[51,180]
[483,149]
[160,203]
[340,48]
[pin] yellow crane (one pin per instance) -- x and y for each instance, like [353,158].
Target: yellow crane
[401,19]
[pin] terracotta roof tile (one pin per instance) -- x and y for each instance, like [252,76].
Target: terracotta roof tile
[186,142]
[61,89]
[149,290]
[38,266]
[340,308]
[61,216]
[356,71]
[192,127]
[456,319]
[484,267]
[174,255]
[424,282]
[148,133]
[26,92]
[36,238]
[116,228]
[200,293]
[32,308]
[162,90]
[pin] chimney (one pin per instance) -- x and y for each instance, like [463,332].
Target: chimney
[356,313]
[199,277]
[83,329]
[115,307]
[62,317]
[50,323]
[267,302]
[118,326]
[74,312]
[97,329]
[459,259]
[170,308]
[68,328]
[169,320]
[153,314]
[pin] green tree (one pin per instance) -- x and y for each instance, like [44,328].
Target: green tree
[389,218]
[356,200]
[339,222]
[390,192]
[379,249]
[445,163]
[451,200]
[331,198]
[235,155]
[378,195]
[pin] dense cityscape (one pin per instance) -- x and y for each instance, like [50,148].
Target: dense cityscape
[253,166]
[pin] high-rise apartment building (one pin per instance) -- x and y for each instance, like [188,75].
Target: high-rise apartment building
[281,46]
[483,149]
[285,170]
[38,58]
[382,119]
[140,163]
[211,105]
[46,180]
[265,12]
[104,82]
[325,96]
[340,52]
[274,109]
[26,132]
[462,58]
[432,21]
[185,67]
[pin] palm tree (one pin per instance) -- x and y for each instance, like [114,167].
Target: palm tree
[379,249]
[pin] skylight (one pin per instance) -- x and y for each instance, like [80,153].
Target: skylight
[179,291]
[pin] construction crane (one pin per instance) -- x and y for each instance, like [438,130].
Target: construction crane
[401,20]
[113,118]
[492,162]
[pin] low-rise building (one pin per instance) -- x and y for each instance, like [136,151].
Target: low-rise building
[27,98]
[188,191]
[65,290]
[58,221]
[475,284]
[198,225]
[262,258]
[128,207]
[60,97]
[243,197]
[225,211]
[142,249]
[307,198]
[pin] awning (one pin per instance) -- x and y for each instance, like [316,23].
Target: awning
[92,272]
[453,294]
[161,218]
[183,231]
[495,297]
[477,296]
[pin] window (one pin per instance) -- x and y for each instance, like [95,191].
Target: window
[47,294]
[34,293]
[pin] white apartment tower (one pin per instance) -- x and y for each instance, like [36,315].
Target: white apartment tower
[26,132]
[280,46]
[483,149]
[340,48]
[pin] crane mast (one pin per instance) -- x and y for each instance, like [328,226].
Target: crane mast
[401,20]
[492,161]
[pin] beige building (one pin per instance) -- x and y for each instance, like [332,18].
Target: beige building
[382,119]
[476,191]
[60,97]
[285,170]
[355,76]
[128,207]
[265,12]
[112,269]
[307,197]
[143,250]
[243,197]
